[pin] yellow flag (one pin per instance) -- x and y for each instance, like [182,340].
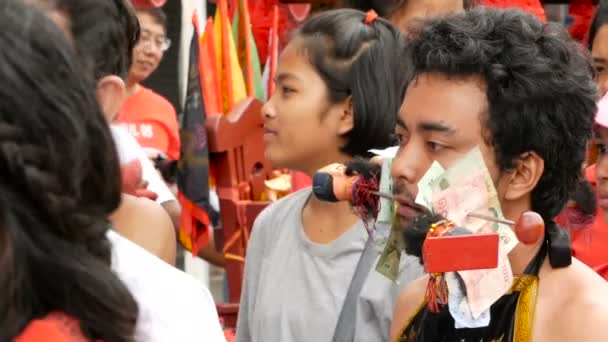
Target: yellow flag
[232,83]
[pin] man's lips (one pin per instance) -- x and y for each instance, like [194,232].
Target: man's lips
[407,208]
[145,64]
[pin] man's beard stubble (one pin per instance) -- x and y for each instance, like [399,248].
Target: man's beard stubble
[413,231]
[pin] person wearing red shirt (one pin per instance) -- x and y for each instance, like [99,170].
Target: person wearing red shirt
[589,244]
[148,116]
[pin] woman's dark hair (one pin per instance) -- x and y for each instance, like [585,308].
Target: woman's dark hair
[104,31]
[600,19]
[59,181]
[362,61]
[539,87]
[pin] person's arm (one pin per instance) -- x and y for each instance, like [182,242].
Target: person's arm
[253,261]
[409,301]
[210,253]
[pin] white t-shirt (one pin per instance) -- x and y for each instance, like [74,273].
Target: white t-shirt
[173,306]
[129,149]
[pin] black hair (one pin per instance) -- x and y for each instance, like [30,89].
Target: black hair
[157,14]
[539,87]
[105,33]
[387,8]
[59,181]
[599,19]
[361,61]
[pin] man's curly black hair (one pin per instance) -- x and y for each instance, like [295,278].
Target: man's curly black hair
[539,86]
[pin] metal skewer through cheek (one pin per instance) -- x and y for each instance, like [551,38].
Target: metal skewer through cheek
[475,215]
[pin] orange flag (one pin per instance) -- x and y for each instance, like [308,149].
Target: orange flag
[209,71]
[232,84]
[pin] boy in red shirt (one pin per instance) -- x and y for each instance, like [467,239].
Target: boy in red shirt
[148,116]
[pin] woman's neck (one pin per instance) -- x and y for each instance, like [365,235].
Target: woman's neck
[324,222]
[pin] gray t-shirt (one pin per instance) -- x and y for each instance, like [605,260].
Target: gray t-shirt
[294,288]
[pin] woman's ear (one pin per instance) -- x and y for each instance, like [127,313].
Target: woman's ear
[111,93]
[347,117]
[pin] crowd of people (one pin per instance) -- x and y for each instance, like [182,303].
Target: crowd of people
[88,225]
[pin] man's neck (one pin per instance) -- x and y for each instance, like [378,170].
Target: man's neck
[521,256]
[132,88]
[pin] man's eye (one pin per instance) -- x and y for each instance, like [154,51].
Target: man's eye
[435,147]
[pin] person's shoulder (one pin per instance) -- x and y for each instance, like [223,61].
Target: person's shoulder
[146,223]
[410,299]
[156,100]
[586,297]
[173,305]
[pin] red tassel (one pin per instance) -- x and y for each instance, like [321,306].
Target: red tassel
[436,292]
[364,202]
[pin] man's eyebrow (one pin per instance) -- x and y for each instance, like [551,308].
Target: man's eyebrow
[431,126]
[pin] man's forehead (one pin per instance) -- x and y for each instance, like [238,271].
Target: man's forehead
[149,24]
[436,102]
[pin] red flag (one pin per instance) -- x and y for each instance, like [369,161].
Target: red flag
[274,50]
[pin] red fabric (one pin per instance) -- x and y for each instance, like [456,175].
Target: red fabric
[261,22]
[55,327]
[581,12]
[590,244]
[300,180]
[152,120]
[531,6]
[194,225]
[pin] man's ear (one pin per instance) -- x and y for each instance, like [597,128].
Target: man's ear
[111,93]
[525,176]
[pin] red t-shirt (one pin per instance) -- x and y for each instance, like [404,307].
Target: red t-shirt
[55,327]
[590,244]
[151,119]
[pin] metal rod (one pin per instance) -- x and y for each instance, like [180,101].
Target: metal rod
[383,195]
[491,219]
[475,215]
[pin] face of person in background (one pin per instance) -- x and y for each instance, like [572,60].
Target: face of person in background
[301,126]
[599,52]
[413,12]
[149,51]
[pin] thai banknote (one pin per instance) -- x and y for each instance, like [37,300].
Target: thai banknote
[464,188]
[425,190]
[467,187]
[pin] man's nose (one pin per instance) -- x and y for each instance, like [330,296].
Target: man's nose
[407,164]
